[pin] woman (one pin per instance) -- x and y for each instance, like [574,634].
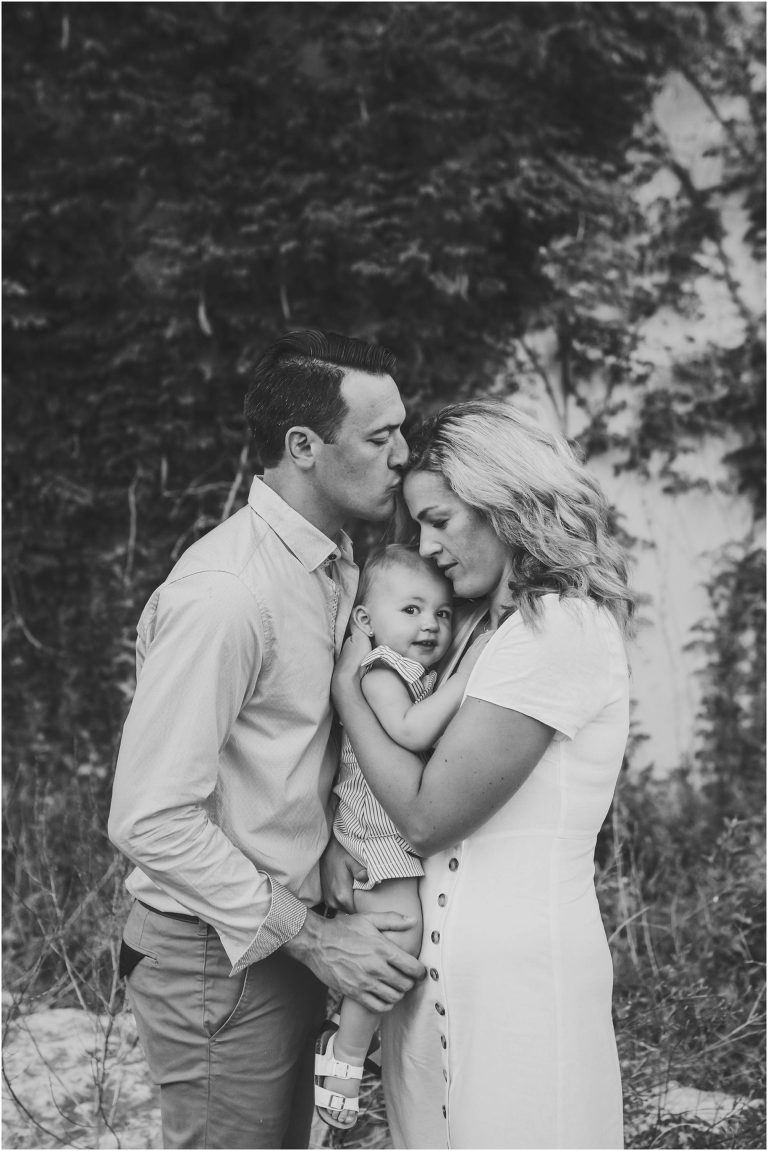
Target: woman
[509,1041]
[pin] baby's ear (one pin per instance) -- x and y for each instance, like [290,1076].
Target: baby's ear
[362,619]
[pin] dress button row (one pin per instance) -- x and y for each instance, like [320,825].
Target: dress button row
[453,864]
[439,1009]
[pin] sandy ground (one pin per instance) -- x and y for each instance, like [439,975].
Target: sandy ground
[77,1080]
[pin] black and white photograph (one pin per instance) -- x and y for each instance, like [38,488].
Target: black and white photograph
[384,575]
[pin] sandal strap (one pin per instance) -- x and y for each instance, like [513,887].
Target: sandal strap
[332,1101]
[326,1064]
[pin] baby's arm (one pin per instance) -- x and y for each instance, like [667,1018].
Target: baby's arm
[416,726]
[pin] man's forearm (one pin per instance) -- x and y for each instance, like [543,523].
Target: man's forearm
[190,859]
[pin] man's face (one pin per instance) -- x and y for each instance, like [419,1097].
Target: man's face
[358,475]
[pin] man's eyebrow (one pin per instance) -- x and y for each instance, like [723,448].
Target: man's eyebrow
[392,426]
[379,428]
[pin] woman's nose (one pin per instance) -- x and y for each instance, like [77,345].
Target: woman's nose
[427,547]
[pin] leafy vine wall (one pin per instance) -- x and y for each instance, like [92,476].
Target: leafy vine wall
[689,498]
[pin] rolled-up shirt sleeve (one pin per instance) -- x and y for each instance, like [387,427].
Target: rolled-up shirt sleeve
[199,656]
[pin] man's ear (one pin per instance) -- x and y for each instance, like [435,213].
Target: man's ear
[301,446]
[362,619]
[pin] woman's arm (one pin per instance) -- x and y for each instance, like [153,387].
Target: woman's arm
[483,758]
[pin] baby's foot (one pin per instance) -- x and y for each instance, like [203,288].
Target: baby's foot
[349,1089]
[337,1084]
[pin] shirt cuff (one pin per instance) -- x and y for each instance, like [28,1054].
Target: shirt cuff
[284,919]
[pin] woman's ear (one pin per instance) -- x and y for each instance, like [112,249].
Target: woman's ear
[362,619]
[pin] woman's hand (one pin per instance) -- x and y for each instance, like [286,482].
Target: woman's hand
[346,675]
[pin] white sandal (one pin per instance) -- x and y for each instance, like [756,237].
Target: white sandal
[326,1064]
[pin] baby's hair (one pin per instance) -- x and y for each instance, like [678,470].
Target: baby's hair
[388,556]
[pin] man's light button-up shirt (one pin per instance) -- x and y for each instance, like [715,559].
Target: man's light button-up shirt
[226,763]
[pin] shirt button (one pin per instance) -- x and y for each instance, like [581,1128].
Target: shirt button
[435,937]
[445,1113]
[439,1009]
[445,1075]
[441,901]
[443,1042]
[453,864]
[433,973]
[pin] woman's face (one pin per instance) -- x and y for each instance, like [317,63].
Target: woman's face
[459,540]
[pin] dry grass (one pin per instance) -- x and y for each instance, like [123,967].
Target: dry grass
[682,892]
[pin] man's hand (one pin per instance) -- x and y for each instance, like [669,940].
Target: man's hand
[350,955]
[338,870]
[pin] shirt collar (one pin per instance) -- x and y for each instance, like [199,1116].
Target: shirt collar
[311,547]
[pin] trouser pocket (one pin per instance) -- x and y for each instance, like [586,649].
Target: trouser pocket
[129,958]
[224,995]
[136,943]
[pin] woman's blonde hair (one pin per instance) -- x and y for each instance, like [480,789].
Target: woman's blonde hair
[539,499]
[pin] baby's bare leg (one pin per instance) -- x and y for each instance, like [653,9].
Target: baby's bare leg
[357,1025]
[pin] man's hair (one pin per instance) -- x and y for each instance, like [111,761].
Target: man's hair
[297,382]
[387,556]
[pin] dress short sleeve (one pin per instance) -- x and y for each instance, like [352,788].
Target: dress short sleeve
[558,671]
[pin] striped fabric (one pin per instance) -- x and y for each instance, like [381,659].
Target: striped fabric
[361,824]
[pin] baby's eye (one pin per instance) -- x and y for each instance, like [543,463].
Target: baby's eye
[411,609]
[445,614]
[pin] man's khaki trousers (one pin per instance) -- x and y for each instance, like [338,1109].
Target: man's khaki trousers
[233,1057]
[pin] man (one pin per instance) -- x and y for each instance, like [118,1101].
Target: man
[226,765]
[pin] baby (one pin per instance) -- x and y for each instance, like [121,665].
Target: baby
[405,605]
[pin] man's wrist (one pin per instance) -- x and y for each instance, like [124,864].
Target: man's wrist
[306,938]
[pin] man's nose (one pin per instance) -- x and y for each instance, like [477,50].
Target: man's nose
[398,457]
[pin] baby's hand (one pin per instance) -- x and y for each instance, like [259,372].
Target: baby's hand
[357,646]
[347,670]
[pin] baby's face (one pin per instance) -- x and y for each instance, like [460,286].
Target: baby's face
[410,610]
